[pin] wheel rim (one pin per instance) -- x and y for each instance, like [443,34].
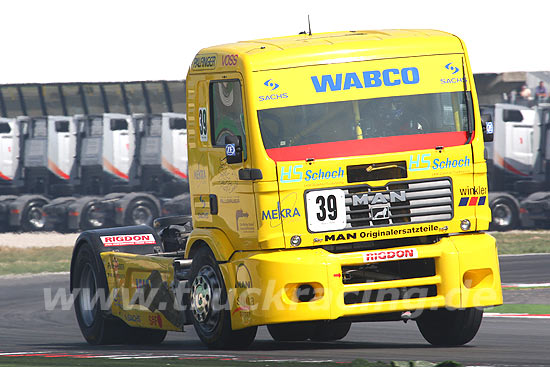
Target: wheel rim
[87,294]
[205,294]
[142,214]
[502,215]
[95,217]
[35,217]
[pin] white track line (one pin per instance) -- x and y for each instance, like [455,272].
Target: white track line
[531,254]
[526,285]
[516,315]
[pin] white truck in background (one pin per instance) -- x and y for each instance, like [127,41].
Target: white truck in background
[518,165]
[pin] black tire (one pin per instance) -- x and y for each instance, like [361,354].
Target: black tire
[141,211]
[325,331]
[33,218]
[96,326]
[93,217]
[291,331]
[450,328]
[505,214]
[88,279]
[209,308]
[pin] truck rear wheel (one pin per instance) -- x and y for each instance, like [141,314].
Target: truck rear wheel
[450,328]
[90,283]
[209,308]
[96,326]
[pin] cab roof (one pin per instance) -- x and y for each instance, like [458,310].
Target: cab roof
[334,47]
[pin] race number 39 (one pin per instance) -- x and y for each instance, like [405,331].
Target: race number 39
[326,210]
[203,124]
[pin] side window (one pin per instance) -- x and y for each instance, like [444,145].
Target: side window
[226,107]
[512,116]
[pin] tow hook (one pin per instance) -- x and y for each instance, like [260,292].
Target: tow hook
[406,316]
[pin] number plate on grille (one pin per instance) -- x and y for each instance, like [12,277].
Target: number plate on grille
[326,210]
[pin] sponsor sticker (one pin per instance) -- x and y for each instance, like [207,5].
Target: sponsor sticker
[390,255]
[204,62]
[472,200]
[128,240]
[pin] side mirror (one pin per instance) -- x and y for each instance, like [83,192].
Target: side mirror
[487,125]
[233,149]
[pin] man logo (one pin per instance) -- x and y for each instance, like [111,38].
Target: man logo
[381,212]
[379,198]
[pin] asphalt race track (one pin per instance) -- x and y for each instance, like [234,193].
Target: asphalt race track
[27,327]
[525,268]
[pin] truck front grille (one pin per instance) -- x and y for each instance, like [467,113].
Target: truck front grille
[400,202]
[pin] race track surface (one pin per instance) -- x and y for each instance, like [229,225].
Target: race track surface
[525,268]
[27,327]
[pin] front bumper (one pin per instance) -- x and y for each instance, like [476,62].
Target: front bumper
[262,286]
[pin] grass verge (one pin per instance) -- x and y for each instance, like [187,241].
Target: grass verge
[522,242]
[528,309]
[34,259]
[15,260]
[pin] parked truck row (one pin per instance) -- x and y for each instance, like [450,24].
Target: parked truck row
[90,171]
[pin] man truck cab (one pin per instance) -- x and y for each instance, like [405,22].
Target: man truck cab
[49,165]
[334,178]
[162,152]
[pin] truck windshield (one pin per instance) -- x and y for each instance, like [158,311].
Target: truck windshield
[367,119]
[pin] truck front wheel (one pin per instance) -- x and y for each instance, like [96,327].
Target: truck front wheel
[449,328]
[208,302]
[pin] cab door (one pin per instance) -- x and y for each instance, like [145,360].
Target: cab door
[231,199]
[9,149]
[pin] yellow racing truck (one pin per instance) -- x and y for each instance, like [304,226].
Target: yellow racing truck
[334,178]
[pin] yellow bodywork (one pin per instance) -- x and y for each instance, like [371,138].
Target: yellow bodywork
[128,273]
[467,275]
[248,223]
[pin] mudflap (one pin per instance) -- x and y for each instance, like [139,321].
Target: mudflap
[143,291]
[142,286]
